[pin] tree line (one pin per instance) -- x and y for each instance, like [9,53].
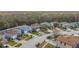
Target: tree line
[9,20]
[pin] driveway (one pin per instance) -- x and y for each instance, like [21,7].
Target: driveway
[32,42]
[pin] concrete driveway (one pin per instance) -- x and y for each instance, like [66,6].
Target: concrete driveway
[32,42]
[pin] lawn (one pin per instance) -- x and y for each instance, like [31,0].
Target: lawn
[12,42]
[26,36]
[35,33]
[40,45]
[18,45]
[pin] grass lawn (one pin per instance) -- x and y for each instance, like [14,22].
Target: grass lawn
[42,44]
[12,42]
[35,33]
[26,36]
[18,45]
[47,45]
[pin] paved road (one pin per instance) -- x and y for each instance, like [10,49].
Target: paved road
[65,32]
[69,33]
[32,42]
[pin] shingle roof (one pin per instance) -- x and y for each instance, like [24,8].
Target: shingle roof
[12,31]
[24,27]
[70,40]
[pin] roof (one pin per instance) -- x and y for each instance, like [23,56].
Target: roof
[36,25]
[24,27]
[70,40]
[45,23]
[12,31]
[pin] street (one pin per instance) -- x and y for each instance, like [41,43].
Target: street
[32,42]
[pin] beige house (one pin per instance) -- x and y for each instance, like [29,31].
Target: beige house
[35,27]
[65,41]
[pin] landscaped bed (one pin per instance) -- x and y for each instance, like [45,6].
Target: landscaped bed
[12,42]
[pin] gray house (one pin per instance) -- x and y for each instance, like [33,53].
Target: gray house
[11,33]
[45,24]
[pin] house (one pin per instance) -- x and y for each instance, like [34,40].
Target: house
[11,33]
[52,24]
[64,25]
[65,41]
[45,23]
[4,41]
[25,29]
[73,24]
[2,35]
[77,24]
[56,24]
[35,27]
[68,25]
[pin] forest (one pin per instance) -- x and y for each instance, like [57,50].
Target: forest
[12,19]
